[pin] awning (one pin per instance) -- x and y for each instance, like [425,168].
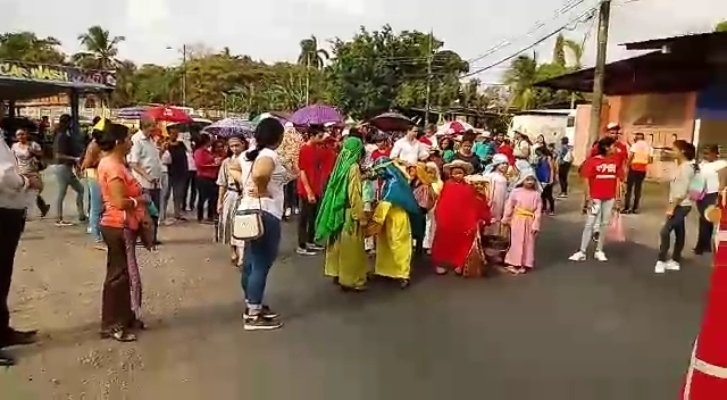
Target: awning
[654,72]
[24,81]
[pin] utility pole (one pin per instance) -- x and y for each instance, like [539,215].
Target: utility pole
[184,75]
[604,17]
[307,80]
[430,51]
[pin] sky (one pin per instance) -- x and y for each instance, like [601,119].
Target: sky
[271,30]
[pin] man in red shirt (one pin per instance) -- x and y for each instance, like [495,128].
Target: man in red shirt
[315,163]
[621,151]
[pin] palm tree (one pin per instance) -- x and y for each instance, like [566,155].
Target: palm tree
[520,77]
[311,55]
[721,27]
[101,49]
[576,51]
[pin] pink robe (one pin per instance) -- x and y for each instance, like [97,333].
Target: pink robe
[523,211]
[498,198]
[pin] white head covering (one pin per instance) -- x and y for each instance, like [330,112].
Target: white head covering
[498,159]
[288,125]
[525,175]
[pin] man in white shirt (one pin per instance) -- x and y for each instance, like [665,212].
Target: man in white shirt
[709,171]
[409,150]
[146,163]
[16,194]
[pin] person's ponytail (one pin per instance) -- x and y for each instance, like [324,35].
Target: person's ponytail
[252,154]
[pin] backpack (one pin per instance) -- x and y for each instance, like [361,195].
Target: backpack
[697,186]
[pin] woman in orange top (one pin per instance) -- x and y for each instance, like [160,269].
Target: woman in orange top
[123,215]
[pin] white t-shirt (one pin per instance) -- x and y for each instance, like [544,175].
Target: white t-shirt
[410,152]
[273,204]
[186,138]
[708,171]
[27,163]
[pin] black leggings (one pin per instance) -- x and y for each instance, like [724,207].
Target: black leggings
[547,197]
[207,191]
[563,171]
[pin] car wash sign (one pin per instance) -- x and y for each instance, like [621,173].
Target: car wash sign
[54,74]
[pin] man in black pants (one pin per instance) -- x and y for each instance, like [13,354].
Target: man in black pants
[312,163]
[14,200]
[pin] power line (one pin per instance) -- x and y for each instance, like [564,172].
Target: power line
[570,5]
[591,11]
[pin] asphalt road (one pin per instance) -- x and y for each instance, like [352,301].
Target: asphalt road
[567,331]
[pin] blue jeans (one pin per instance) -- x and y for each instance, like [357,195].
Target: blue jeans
[66,177]
[677,224]
[258,257]
[95,207]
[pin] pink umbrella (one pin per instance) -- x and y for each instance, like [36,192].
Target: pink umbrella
[454,128]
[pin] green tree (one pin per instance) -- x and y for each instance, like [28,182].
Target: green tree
[379,70]
[721,27]
[574,48]
[101,49]
[311,55]
[27,47]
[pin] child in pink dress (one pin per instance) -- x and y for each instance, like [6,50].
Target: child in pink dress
[523,214]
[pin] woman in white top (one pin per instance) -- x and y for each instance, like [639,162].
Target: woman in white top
[708,169]
[29,155]
[262,177]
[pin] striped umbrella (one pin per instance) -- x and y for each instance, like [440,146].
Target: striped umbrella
[231,127]
[316,114]
[132,113]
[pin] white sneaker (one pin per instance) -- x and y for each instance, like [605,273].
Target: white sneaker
[672,265]
[578,256]
[600,256]
[288,212]
[660,267]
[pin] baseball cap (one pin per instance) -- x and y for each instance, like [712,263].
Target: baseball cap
[613,125]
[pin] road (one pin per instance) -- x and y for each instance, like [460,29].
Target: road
[597,331]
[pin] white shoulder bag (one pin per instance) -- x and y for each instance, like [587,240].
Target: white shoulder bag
[248,224]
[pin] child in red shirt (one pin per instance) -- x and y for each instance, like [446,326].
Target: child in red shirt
[603,174]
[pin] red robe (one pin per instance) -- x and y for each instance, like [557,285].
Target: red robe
[706,377]
[458,214]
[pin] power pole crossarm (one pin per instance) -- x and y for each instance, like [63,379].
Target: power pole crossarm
[604,16]
[430,51]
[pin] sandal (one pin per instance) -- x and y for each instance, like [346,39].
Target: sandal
[512,270]
[441,271]
[119,335]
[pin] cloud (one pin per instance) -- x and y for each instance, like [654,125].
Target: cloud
[148,15]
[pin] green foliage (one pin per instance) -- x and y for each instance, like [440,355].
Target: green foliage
[721,27]
[525,71]
[373,72]
[27,47]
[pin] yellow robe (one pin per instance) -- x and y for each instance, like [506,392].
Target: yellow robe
[346,256]
[393,245]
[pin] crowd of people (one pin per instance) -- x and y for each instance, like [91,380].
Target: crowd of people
[475,203]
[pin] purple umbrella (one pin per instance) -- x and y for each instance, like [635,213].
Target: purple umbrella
[316,114]
[131,113]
